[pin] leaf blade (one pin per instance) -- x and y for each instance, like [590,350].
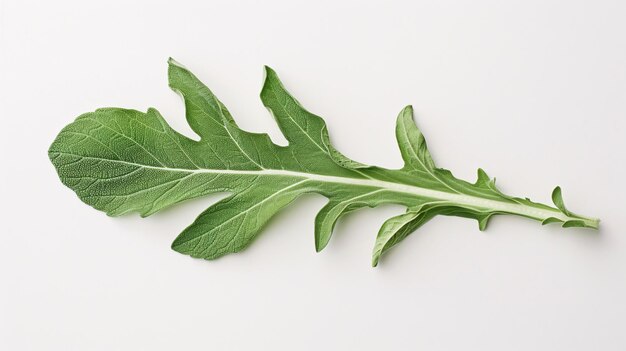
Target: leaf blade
[120,161]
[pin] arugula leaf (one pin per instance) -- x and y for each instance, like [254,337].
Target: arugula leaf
[120,160]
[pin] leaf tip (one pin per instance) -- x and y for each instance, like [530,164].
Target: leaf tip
[175,246]
[171,62]
[557,199]
[270,80]
[322,238]
[483,177]
[407,113]
[269,71]
[319,246]
[174,69]
[483,223]
[405,119]
[375,259]
[556,194]
[180,244]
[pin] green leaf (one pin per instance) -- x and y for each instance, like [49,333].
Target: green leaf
[120,161]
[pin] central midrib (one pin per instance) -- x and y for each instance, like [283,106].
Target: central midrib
[461,199]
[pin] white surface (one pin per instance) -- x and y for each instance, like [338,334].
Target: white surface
[532,91]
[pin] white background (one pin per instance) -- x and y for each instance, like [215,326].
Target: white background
[532,91]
